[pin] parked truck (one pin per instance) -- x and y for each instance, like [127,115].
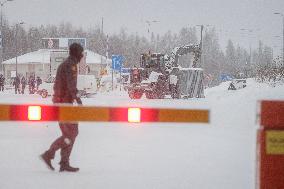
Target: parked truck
[160,74]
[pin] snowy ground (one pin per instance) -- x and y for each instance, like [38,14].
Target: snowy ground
[219,155]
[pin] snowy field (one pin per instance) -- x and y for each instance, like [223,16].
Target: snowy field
[218,155]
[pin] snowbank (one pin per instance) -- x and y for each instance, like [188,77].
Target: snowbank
[219,155]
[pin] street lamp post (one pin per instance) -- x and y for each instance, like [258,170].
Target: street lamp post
[202,27]
[281,14]
[16,36]
[2,3]
[149,22]
[248,66]
[201,42]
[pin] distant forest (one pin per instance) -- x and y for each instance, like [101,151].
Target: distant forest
[215,61]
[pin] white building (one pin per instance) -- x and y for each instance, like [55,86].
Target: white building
[43,63]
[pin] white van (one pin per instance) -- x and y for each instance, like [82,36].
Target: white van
[86,85]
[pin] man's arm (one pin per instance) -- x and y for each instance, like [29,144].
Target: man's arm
[71,77]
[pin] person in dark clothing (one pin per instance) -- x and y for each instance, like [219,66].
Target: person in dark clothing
[17,83]
[31,84]
[65,91]
[2,82]
[23,82]
[38,82]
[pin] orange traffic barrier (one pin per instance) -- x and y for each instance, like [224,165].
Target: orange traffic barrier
[99,114]
[270,145]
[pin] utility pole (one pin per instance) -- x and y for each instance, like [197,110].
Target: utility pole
[106,47]
[282,15]
[16,50]
[1,40]
[149,22]
[17,46]
[201,43]
[102,25]
[249,33]
[101,36]
[283,41]
[2,3]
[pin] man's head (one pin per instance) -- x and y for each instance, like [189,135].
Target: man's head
[76,50]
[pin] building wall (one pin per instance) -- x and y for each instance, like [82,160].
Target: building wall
[42,70]
[26,70]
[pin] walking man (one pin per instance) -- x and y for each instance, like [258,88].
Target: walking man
[65,91]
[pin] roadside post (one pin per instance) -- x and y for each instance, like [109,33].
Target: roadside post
[270,146]
[116,65]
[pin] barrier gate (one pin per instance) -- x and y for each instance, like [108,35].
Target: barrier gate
[67,113]
[270,146]
[270,138]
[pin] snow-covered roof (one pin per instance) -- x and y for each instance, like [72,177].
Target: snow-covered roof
[94,58]
[43,56]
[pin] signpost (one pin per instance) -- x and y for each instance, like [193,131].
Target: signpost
[270,145]
[116,65]
[117,62]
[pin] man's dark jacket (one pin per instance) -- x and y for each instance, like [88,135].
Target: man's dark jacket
[65,85]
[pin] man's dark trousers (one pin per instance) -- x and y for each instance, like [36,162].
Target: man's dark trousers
[65,142]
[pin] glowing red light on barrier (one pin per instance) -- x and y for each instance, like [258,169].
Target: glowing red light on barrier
[34,113]
[134,115]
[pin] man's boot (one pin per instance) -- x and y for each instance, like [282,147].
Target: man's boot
[47,160]
[68,168]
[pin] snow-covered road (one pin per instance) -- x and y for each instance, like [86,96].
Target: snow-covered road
[218,155]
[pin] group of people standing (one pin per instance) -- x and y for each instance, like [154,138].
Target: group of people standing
[21,82]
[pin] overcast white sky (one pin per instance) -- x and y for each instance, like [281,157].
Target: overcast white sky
[228,16]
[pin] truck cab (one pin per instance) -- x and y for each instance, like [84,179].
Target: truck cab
[153,61]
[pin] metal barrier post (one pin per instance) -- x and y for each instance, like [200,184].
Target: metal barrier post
[270,146]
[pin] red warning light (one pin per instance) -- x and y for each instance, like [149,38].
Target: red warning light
[34,113]
[134,115]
